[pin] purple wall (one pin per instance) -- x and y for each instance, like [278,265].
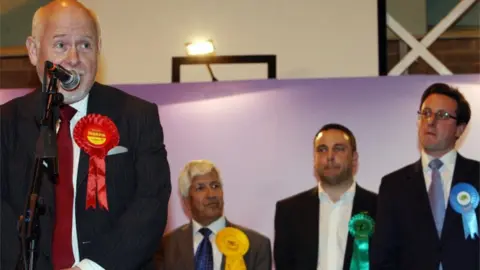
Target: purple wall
[260,133]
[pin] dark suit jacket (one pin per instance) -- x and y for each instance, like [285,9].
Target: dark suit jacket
[297,233]
[406,237]
[176,251]
[138,183]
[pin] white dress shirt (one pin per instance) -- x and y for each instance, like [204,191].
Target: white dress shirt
[333,228]
[215,227]
[446,171]
[86,264]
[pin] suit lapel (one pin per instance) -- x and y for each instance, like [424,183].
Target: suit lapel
[462,173]
[96,104]
[361,204]
[34,108]
[245,257]
[29,116]
[222,266]
[310,227]
[186,247]
[356,208]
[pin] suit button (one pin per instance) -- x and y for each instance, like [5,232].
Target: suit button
[46,254]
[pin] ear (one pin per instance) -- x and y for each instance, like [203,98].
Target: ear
[355,157]
[460,130]
[186,205]
[33,50]
[99,45]
[355,162]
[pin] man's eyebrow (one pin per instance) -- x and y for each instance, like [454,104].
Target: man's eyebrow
[90,37]
[336,144]
[59,35]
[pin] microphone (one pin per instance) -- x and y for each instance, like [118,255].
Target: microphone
[69,79]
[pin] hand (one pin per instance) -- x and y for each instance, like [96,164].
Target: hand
[74,268]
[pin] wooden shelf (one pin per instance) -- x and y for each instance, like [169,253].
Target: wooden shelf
[13,51]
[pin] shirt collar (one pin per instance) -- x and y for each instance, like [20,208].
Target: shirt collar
[215,226]
[81,106]
[448,160]
[347,196]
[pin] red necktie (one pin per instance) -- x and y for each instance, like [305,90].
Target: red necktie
[62,251]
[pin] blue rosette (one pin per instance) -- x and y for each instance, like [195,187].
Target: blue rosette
[464,199]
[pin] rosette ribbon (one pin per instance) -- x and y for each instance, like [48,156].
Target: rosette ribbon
[96,135]
[464,200]
[234,244]
[361,228]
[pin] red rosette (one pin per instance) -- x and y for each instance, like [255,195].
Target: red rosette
[96,134]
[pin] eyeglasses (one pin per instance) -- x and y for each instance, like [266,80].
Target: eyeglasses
[440,115]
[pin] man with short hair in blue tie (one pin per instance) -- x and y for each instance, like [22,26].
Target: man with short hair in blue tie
[193,246]
[427,216]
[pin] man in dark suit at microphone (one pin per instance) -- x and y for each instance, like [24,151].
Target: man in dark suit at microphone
[109,220]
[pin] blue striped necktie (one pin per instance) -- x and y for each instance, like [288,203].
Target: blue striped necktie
[204,254]
[436,194]
[437,197]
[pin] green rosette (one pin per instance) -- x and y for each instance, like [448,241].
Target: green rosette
[361,227]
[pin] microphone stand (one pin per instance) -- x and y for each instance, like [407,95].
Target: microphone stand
[45,152]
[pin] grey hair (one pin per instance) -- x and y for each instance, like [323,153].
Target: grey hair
[193,169]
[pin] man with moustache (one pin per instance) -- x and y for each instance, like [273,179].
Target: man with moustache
[426,217]
[313,228]
[117,226]
[194,245]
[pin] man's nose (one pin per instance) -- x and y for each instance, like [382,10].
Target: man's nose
[72,57]
[211,193]
[432,120]
[330,155]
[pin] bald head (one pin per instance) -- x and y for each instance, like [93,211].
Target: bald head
[45,14]
[66,33]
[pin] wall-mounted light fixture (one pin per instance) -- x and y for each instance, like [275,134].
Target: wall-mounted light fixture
[202,48]
[203,53]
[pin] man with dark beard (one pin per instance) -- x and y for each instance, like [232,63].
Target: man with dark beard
[323,228]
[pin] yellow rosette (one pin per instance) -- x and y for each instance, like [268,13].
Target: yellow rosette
[233,243]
